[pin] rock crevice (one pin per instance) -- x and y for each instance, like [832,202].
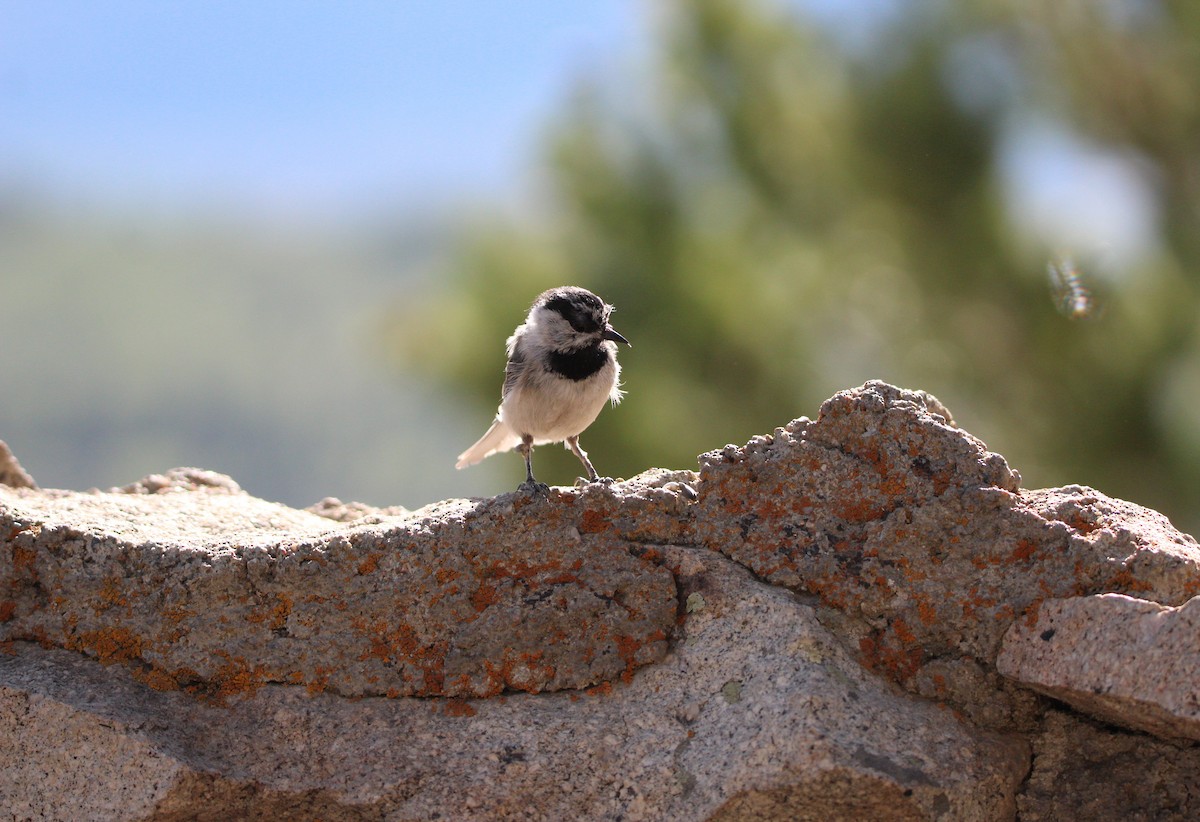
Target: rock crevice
[860,615]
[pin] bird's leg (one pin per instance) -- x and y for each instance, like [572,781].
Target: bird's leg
[573,444]
[530,484]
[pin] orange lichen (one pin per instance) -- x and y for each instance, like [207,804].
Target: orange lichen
[627,648]
[276,617]
[903,632]
[24,559]
[1031,613]
[281,611]
[174,613]
[651,555]
[1081,525]
[236,676]
[7,609]
[1125,579]
[109,644]
[833,592]
[593,522]
[485,595]
[520,570]
[111,595]
[402,644]
[458,707]
[974,602]
[859,511]
[926,612]
[603,689]
[156,678]
[1024,550]
[320,680]
[896,663]
[370,564]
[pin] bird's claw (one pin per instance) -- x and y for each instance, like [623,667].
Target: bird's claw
[583,482]
[534,488]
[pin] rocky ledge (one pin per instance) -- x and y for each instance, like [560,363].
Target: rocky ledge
[860,616]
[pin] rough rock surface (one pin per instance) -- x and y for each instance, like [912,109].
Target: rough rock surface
[1083,771]
[757,709]
[1129,661]
[211,590]
[919,538]
[596,653]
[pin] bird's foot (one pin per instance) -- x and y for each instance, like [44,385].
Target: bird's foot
[534,488]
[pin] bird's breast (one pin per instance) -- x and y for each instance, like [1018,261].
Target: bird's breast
[550,405]
[579,365]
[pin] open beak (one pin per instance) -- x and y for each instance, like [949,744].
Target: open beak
[612,334]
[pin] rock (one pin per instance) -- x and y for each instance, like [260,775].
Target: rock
[334,509]
[919,540]
[1128,661]
[11,472]
[216,592]
[181,479]
[669,744]
[599,652]
[1082,770]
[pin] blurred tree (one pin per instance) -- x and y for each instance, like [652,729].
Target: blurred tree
[777,215]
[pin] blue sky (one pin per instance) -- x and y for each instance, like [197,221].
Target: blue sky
[329,108]
[289,104]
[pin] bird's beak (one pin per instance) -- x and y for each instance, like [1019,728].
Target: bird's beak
[611,333]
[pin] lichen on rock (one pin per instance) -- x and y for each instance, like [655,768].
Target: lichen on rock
[809,625]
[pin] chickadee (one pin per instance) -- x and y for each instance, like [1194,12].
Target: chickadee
[562,368]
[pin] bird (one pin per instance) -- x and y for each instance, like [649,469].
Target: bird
[562,368]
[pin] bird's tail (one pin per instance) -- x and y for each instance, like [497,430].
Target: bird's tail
[498,438]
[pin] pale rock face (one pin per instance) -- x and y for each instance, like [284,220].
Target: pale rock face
[808,628]
[1122,659]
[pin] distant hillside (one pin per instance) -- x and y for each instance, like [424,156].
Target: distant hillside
[136,342]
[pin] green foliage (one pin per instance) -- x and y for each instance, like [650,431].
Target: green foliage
[777,217]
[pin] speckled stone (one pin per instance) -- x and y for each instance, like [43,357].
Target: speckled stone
[601,652]
[1086,770]
[205,588]
[920,539]
[1125,660]
[809,735]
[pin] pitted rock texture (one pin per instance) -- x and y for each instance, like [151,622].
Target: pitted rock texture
[914,530]
[1132,662]
[205,588]
[1088,771]
[595,653]
[757,713]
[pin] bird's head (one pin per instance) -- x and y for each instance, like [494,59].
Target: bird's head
[570,318]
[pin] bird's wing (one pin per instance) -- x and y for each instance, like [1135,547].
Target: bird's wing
[512,371]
